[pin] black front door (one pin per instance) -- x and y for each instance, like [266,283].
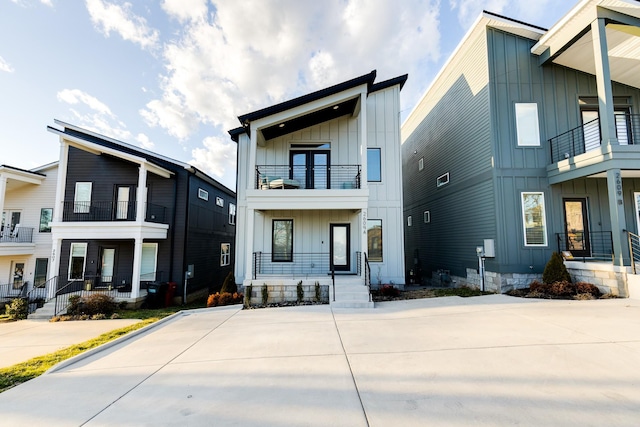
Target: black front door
[576,227]
[340,247]
[310,168]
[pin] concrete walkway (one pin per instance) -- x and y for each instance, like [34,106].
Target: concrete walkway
[23,340]
[491,360]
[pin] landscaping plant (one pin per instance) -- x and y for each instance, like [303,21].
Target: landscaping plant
[229,284]
[555,270]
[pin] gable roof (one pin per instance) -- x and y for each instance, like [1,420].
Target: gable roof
[326,113]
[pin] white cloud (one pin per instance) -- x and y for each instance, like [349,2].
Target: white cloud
[185,10]
[216,157]
[93,114]
[219,67]
[5,66]
[108,17]
[47,3]
[144,141]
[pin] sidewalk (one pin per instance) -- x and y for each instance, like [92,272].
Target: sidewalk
[23,340]
[490,361]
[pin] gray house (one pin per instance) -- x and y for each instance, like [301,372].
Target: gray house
[526,143]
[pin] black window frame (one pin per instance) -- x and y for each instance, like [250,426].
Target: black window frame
[278,256]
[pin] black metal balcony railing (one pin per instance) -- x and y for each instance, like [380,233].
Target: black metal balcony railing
[302,177]
[18,234]
[300,264]
[110,211]
[587,137]
[595,245]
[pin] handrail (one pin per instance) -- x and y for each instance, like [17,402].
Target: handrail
[634,249]
[269,177]
[367,275]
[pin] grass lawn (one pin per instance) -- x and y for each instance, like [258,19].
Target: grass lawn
[12,376]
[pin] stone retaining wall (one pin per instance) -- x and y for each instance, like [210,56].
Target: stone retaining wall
[281,293]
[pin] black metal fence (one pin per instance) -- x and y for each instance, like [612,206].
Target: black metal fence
[269,177]
[300,264]
[18,234]
[110,211]
[595,245]
[583,138]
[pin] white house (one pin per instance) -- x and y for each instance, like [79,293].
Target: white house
[319,190]
[26,201]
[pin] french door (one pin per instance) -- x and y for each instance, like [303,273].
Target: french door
[340,247]
[310,168]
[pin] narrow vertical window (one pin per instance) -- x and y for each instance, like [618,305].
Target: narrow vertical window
[220,202]
[533,217]
[374,240]
[421,163]
[77,258]
[282,242]
[225,254]
[427,217]
[82,198]
[527,128]
[374,165]
[232,214]
[409,221]
[46,215]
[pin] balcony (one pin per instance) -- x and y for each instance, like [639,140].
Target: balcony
[301,265]
[110,211]
[19,234]
[587,137]
[285,177]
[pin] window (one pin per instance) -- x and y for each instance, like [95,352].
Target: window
[46,215]
[427,217]
[40,276]
[527,128]
[225,254]
[78,256]
[220,202]
[232,214]
[533,217]
[203,194]
[442,180]
[421,163]
[310,168]
[82,198]
[374,165]
[282,243]
[148,262]
[374,239]
[409,221]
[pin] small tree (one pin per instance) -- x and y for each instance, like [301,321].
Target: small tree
[229,284]
[555,270]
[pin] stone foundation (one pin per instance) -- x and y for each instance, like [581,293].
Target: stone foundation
[493,282]
[609,278]
[286,292]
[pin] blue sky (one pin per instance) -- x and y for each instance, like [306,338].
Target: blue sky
[172,75]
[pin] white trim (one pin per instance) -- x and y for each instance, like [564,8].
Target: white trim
[220,202]
[440,181]
[527,127]
[524,220]
[79,205]
[84,264]
[203,194]
[149,275]
[427,217]
[409,221]
[233,212]
[225,258]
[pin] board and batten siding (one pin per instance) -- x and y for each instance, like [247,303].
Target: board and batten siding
[451,129]
[29,200]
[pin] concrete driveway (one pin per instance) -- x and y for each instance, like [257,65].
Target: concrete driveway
[491,360]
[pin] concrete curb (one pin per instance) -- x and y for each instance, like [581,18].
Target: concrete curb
[107,345]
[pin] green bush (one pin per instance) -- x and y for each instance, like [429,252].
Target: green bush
[18,309]
[247,295]
[318,292]
[265,294]
[74,305]
[98,303]
[300,291]
[229,284]
[555,270]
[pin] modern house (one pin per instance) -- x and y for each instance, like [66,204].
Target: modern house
[27,198]
[125,218]
[528,142]
[320,191]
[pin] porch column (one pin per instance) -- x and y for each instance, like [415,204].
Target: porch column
[248,241]
[141,193]
[364,184]
[603,82]
[618,220]
[3,189]
[61,183]
[54,268]
[364,242]
[137,261]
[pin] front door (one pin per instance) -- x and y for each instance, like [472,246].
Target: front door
[106,265]
[17,274]
[340,247]
[576,227]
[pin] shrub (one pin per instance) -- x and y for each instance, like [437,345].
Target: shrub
[562,289]
[265,294]
[229,284]
[389,291]
[318,295]
[226,298]
[247,295]
[555,270]
[539,287]
[300,291]
[18,309]
[98,303]
[587,288]
[74,305]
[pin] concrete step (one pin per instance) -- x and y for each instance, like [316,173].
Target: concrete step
[47,311]
[352,304]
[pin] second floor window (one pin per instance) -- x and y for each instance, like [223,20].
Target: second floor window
[374,165]
[46,215]
[82,198]
[310,168]
[232,214]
